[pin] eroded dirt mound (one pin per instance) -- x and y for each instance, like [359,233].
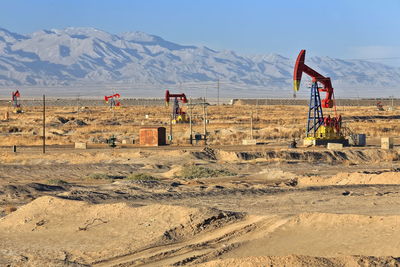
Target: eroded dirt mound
[327,156]
[299,155]
[51,229]
[352,178]
[297,261]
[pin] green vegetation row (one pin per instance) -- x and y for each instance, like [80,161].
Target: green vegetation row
[188,172]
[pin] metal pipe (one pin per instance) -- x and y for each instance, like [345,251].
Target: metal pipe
[44,124]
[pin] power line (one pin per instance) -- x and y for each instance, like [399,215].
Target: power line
[322,59]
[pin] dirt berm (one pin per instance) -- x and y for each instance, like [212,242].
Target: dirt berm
[54,231]
[317,155]
[355,178]
[301,261]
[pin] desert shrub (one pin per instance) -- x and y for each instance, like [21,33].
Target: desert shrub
[57,182]
[141,177]
[9,209]
[193,172]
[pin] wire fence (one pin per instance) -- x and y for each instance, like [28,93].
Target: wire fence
[339,102]
[387,102]
[90,102]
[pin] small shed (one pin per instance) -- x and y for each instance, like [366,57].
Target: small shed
[152,136]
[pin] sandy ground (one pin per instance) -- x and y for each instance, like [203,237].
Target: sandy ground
[263,205]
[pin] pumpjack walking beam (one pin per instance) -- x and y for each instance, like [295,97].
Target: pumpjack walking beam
[301,67]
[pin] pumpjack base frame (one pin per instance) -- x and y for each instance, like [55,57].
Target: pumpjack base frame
[324,142]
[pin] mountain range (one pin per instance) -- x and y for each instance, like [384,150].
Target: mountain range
[91,58]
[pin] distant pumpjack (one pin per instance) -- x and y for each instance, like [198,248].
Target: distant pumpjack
[177,114]
[15,102]
[113,100]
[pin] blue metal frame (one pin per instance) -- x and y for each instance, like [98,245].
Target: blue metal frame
[15,102]
[175,109]
[315,115]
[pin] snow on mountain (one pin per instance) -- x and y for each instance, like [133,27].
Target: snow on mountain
[90,56]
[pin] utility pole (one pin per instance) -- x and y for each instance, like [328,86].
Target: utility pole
[78,104]
[392,103]
[257,109]
[44,124]
[251,125]
[190,122]
[205,123]
[218,92]
[170,129]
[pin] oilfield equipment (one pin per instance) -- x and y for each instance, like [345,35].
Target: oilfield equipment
[15,102]
[112,141]
[113,101]
[152,136]
[379,106]
[320,130]
[198,136]
[177,113]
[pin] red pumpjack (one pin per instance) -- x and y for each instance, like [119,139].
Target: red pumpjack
[318,126]
[112,99]
[177,115]
[15,102]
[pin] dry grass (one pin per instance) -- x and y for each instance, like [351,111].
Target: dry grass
[228,124]
[194,172]
[141,177]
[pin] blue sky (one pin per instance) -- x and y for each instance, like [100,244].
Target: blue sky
[342,29]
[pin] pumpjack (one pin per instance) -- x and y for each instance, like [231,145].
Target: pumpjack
[320,130]
[113,100]
[177,114]
[379,106]
[15,102]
